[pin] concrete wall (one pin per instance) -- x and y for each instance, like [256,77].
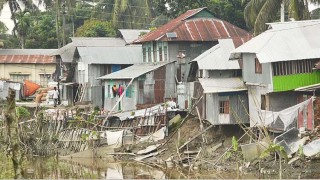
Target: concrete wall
[34,70]
[249,74]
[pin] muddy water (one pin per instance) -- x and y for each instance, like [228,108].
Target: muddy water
[86,168]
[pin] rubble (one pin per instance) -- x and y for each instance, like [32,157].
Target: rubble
[312,148]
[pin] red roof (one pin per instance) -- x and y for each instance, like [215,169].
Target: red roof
[194,29]
[27,59]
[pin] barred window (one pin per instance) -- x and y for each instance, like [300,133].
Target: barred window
[224,107]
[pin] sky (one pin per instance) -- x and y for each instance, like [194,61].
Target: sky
[5,14]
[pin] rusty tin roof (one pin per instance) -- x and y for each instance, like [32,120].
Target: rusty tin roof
[189,27]
[26,56]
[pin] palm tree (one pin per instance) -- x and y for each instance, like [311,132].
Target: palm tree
[22,26]
[259,12]
[3,28]
[127,13]
[15,7]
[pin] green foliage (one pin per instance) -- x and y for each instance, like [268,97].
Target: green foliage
[9,41]
[6,167]
[258,13]
[234,153]
[42,33]
[22,112]
[235,144]
[300,152]
[96,28]
[274,148]
[84,137]
[3,28]
[231,11]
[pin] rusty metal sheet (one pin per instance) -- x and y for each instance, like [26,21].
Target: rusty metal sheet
[159,86]
[27,59]
[194,29]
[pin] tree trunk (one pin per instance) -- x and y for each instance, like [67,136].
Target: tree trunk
[13,138]
[282,11]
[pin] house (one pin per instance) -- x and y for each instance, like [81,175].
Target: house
[145,83]
[86,59]
[183,39]
[27,64]
[277,66]
[219,81]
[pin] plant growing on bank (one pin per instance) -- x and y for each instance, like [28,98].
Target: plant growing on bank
[22,112]
[235,152]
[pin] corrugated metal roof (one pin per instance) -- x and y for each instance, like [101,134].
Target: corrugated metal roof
[111,55]
[194,29]
[97,42]
[134,71]
[27,56]
[219,85]
[130,35]
[284,42]
[217,57]
[26,51]
[66,52]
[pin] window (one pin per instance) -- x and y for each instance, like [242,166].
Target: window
[224,107]
[292,67]
[263,102]
[144,53]
[165,49]
[19,77]
[160,53]
[258,67]
[149,54]
[44,78]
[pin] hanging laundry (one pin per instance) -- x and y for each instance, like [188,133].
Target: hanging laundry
[287,116]
[114,90]
[120,90]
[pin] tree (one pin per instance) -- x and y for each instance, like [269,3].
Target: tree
[96,28]
[14,6]
[258,13]
[22,26]
[231,11]
[3,28]
[42,32]
[132,14]
[178,7]
[228,10]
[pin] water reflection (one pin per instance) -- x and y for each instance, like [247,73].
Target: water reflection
[80,168]
[88,168]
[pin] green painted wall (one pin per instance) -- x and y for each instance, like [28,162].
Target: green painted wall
[293,81]
[202,14]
